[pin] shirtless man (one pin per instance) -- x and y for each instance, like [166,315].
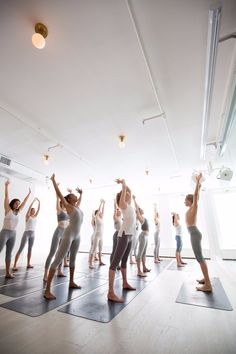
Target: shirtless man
[191,201]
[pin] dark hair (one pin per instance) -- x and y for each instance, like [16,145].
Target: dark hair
[67,197]
[118,198]
[12,202]
[189,197]
[96,211]
[173,219]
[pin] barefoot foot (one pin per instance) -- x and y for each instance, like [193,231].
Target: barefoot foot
[101,264]
[127,286]
[146,270]
[141,275]
[74,286]
[9,276]
[205,288]
[113,297]
[49,296]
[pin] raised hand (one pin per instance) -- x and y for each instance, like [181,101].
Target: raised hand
[119,181]
[102,200]
[7,182]
[79,190]
[52,178]
[198,177]
[133,196]
[69,190]
[29,190]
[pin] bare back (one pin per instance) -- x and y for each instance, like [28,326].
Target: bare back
[191,216]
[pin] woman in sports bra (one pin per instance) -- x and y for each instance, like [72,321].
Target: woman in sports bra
[29,234]
[8,233]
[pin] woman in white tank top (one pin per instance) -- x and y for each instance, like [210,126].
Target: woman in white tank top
[97,235]
[178,238]
[123,247]
[8,232]
[28,235]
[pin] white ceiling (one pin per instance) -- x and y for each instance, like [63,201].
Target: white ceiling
[91,84]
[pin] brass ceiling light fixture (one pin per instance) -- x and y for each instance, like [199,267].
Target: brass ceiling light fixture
[38,38]
[122,141]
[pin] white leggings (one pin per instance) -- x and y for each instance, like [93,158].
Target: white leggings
[157,244]
[97,242]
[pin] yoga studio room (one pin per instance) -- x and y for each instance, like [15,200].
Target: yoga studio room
[117,177]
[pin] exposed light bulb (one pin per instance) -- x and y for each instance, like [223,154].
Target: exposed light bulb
[38,41]
[38,38]
[121,141]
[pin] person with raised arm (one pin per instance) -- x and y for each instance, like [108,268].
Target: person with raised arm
[29,233]
[122,251]
[143,241]
[11,219]
[71,238]
[191,201]
[157,239]
[117,225]
[97,235]
[63,222]
[178,238]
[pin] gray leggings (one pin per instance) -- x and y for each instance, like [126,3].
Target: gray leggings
[27,236]
[157,242]
[8,238]
[115,236]
[57,236]
[143,242]
[122,251]
[196,237]
[70,242]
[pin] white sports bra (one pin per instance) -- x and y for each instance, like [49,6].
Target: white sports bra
[11,220]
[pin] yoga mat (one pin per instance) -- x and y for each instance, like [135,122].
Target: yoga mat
[34,304]
[156,269]
[20,270]
[29,274]
[187,268]
[30,285]
[216,300]
[95,306]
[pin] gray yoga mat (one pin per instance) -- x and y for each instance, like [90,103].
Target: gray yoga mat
[30,285]
[21,270]
[34,304]
[29,274]
[187,268]
[216,300]
[156,269]
[95,306]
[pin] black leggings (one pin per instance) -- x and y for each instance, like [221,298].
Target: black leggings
[122,251]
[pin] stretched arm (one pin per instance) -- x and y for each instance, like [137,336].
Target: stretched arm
[80,197]
[38,209]
[25,200]
[122,202]
[197,190]
[101,207]
[115,207]
[137,208]
[28,211]
[6,200]
[58,192]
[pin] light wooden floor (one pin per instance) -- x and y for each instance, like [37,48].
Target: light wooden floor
[151,323]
